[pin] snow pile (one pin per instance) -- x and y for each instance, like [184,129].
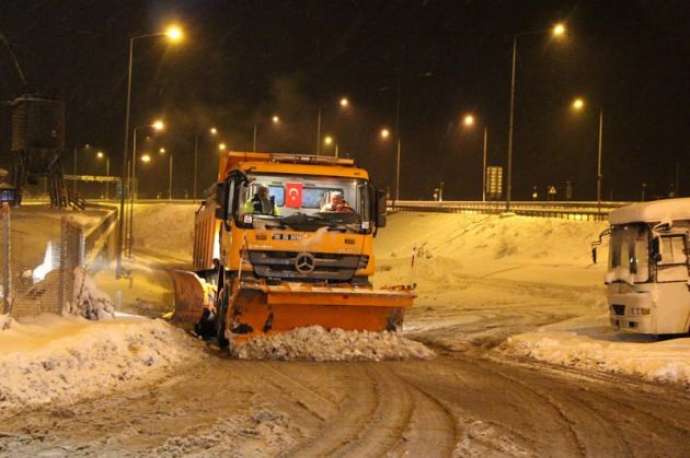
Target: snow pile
[262,433]
[89,301]
[315,343]
[592,345]
[61,360]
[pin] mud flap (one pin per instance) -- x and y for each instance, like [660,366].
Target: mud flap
[264,309]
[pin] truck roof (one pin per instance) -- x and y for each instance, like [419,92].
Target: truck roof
[652,212]
[297,164]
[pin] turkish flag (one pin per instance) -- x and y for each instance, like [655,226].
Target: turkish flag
[293,195]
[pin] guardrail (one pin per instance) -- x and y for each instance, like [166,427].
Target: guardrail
[567,210]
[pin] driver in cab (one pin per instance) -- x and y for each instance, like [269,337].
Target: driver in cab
[338,204]
[261,202]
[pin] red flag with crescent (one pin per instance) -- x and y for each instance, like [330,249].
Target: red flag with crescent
[293,195]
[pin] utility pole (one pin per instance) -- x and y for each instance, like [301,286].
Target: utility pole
[318,131]
[170,176]
[599,153]
[484,154]
[196,165]
[511,122]
[256,127]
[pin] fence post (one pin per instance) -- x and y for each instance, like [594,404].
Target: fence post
[6,258]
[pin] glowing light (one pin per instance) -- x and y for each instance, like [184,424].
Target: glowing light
[162,151]
[222,146]
[213,131]
[385,133]
[100,155]
[145,158]
[158,125]
[578,104]
[328,140]
[174,33]
[558,30]
[468,120]
[275,119]
[344,102]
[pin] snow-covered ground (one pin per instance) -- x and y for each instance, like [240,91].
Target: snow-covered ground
[165,231]
[526,284]
[59,360]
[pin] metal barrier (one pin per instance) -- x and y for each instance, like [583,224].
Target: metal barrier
[588,211]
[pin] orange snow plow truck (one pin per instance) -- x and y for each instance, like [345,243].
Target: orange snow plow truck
[286,241]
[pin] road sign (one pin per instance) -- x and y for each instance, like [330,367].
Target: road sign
[494,182]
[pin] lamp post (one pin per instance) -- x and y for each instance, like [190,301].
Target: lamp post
[100,155]
[385,134]
[163,152]
[157,126]
[275,120]
[557,31]
[328,140]
[344,104]
[174,34]
[469,121]
[578,105]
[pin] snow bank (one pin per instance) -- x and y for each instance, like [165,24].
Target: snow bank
[592,345]
[261,433]
[90,301]
[60,360]
[317,344]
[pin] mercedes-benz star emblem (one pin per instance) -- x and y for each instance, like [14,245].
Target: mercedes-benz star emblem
[305,263]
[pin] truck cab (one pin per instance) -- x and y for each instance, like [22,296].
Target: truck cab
[647,278]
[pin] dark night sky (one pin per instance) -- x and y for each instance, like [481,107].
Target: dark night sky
[244,60]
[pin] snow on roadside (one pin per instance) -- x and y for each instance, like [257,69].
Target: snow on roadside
[60,360]
[590,344]
[263,432]
[315,343]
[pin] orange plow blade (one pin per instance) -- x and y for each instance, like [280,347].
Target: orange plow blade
[191,296]
[263,309]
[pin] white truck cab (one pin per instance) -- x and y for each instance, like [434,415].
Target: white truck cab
[647,281]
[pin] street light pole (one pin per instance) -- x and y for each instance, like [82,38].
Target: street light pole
[196,165]
[484,154]
[107,174]
[599,153]
[254,136]
[123,182]
[509,185]
[170,176]
[318,132]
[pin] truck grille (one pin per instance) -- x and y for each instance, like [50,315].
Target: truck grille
[618,309]
[326,266]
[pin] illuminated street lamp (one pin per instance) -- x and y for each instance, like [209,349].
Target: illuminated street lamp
[100,155]
[213,131]
[275,120]
[578,105]
[558,31]
[222,146]
[468,121]
[174,35]
[344,104]
[385,133]
[145,158]
[328,141]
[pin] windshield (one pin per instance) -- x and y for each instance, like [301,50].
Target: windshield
[629,253]
[304,202]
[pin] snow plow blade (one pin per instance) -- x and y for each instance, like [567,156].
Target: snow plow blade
[190,297]
[264,309]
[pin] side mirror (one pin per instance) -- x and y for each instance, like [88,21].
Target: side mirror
[221,200]
[381,208]
[656,252]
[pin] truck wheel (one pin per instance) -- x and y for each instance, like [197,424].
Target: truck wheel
[221,307]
